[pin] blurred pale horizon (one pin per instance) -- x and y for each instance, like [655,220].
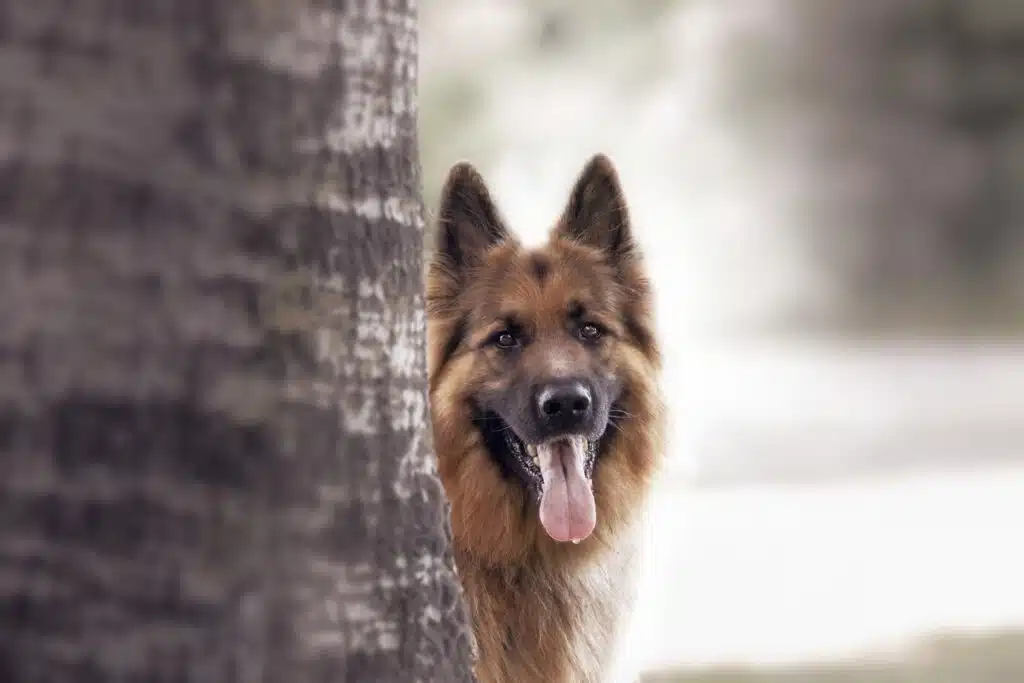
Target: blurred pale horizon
[829,198]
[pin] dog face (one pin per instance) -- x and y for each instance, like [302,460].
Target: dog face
[540,359]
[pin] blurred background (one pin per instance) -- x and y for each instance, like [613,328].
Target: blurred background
[830,197]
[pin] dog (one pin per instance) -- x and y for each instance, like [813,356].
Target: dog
[547,420]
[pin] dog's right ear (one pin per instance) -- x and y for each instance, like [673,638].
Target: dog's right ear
[469,223]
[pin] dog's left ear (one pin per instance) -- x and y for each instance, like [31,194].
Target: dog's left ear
[596,214]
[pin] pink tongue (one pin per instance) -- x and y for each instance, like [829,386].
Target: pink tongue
[567,509]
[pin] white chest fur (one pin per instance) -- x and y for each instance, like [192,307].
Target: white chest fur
[606,593]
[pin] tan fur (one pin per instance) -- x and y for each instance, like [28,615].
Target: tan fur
[542,611]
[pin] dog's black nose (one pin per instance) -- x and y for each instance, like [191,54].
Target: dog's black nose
[564,406]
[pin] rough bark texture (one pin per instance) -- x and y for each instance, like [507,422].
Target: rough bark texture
[213,444]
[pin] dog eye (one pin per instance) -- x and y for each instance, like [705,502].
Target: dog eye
[505,340]
[589,332]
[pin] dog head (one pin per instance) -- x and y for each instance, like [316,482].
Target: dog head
[542,363]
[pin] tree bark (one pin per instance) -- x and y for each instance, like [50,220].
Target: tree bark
[213,420]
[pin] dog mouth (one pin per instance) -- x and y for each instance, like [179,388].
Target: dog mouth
[567,508]
[558,472]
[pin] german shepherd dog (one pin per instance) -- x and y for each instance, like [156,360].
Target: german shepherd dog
[547,422]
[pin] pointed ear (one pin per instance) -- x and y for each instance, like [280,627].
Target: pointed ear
[596,214]
[469,222]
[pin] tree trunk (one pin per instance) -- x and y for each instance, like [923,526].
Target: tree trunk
[213,419]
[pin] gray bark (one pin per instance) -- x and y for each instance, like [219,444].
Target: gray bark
[213,419]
